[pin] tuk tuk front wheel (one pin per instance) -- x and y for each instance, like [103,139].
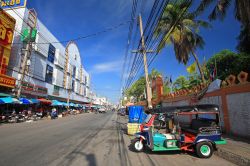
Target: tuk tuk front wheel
[204,149]
[138,145]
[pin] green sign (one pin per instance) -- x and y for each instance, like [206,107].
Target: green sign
[26,34]
[33,35]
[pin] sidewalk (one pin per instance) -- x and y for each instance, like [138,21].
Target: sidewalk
[236,151]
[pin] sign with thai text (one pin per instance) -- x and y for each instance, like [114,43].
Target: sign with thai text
[8,4]
[32,89]
[7,26]
[7,81]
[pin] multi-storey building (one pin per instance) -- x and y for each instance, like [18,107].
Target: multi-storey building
[54,71]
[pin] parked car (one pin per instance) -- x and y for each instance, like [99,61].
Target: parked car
[122,112]
[102,110]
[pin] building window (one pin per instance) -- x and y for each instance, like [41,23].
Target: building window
[49,74]
[86,80]
[75,56]
[85,92]
[73,85]
[56,90]
[74,72]
[51,54]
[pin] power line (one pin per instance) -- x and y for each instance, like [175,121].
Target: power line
[77,38]
[131,26]
[86,36]
[138,61]
[157,39]
[145,31]
[167,32]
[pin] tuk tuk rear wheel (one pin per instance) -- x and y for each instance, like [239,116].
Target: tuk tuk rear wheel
[204,149]
[138,145]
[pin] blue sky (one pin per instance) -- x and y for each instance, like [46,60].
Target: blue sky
[102,55]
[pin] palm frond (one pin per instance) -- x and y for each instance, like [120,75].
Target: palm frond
[203,24]
[220,10]
[203,5]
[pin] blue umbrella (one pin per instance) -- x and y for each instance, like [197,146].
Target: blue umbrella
[65,104]
[71,104]
[35,101]
[56,103]
[6,100]
[78,105]
[25,101]
[1,102]
[9,100]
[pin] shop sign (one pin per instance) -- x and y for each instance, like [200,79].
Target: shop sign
[7,81]
[32,18]
[7,26]
[9,4]
[32,89]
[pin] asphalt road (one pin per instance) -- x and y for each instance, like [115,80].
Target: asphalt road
[85,139]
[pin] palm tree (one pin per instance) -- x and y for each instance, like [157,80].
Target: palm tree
[180,28]
[242,14]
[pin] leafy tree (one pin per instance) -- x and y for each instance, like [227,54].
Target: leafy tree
[166,89]
[228,62]
[242,14]
[194,79]
[154,73]
[137,89]
[181,28]
[180,83]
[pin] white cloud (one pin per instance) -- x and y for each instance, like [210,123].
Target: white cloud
[107,67]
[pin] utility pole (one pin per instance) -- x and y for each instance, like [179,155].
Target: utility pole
[70,88]
[144,52]
[28,48]
[24,64]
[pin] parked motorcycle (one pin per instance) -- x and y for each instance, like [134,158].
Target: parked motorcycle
[34,117]
[21,118]
[13,119]
[39,115]
[4,119]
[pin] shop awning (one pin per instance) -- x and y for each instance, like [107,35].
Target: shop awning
[9,100]
[45,101]
[65,104]
[57,103]
[4,95]
[25,101]
[72,105]
[35,101]
[79,105]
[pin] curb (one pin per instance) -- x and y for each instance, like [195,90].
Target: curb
[232,157]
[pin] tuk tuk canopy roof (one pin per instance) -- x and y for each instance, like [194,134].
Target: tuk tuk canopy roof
[202,108]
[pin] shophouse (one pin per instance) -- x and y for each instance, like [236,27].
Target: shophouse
[55,70]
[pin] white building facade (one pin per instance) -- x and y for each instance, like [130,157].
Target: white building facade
[54,71]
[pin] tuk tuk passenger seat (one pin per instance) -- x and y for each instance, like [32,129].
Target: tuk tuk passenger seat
[196,124]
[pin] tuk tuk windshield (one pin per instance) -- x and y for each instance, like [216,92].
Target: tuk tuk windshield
[147,118]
